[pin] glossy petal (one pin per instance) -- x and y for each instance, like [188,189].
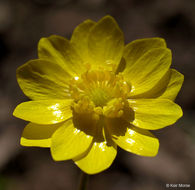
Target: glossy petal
[69,142]
[100,154]
[79,38]
[154,114]
[60,51]
[132,139]
[99,158]
[174,85]
[41,79]
[148,70]
[38,135]
[134,50]
[106,43]
[158,89]
[167,87]
[44,111]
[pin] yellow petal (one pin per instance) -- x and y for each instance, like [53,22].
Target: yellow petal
[174,85]
[148,70]
[44,111]
[60,51]
[41,79]
[69,142]
[100,157]
[38,135]
[154,114]
[158,89]
[132,139]
[167,87]
[106,43]
[79,38]
[134,50]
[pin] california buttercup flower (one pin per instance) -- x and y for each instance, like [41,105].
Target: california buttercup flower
[92,93]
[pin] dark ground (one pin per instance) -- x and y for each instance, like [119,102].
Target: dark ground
[24,22]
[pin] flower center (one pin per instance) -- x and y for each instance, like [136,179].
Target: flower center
[100,96]
[99,92]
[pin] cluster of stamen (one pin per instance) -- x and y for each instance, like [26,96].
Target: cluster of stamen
[99,92]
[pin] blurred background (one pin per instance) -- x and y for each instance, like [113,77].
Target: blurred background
[24,22]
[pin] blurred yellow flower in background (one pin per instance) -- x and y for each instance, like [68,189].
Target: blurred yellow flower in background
[92,93]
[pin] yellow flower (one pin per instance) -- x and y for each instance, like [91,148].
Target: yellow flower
[92,94]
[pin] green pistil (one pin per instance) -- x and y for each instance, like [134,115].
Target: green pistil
[99,97]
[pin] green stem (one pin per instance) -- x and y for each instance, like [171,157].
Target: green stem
[83,181]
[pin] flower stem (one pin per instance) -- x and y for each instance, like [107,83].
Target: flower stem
[83,181]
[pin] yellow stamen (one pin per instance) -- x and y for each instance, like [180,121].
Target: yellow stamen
[114,108]
[99,92]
